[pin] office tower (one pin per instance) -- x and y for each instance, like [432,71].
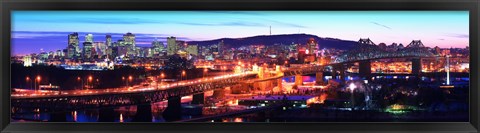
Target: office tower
[220,47]
[51,55]
[129,42]
[87,50]
[129,39]
[145,52]
[73,45]
[312,46]
[59,53]
[214,49]
[157,46]
[100,48]
[121,43]
[192,49]
[108,40]
[27,61]
[89,38]
[109,53]
[72,51]
[43,56]
[172,46]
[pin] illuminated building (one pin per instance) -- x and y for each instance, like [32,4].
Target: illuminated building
[182,53]
[59,53]
[71,51]
[192,49]
[214,49]
[121,51]
[221,47]
[129,42]
[27,61]
[172,46]
[89,38]
[72,47]
[43,56]
[87,50]
[129,39]
[312,47]
[146,52]
[51,55]
[101,48]
[157,46]
[108,40]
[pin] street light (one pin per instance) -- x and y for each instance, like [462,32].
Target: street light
[352,87]
[81,80]
[130,78]
[123,79]
[162,76]
[205,70]
[90,78]
[183,74]
[38,79]
[27,79]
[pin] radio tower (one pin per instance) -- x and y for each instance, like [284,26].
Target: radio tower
[270,30]
[447,67]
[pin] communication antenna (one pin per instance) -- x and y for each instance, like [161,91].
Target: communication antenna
[270,30]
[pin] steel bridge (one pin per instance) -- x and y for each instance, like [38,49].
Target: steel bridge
[367,50]
[73,102]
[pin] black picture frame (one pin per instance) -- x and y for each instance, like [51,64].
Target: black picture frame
[8,5]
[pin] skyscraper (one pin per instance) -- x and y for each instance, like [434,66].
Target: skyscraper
[108,40]
[59,53]
[157,46]
[172,46]
[312,46]
[129,39]
[87,50]
[73,48]
[129,42]
[220,47]
[27,61]
[192,49]
[101,48]
[89,38]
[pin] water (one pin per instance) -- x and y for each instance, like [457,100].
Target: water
[387,90]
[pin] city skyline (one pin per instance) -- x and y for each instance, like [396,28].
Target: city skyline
[386,26]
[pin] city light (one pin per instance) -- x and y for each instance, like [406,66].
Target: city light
[309,76]
[352,87]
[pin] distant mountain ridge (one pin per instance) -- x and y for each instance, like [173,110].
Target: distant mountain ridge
[269,40]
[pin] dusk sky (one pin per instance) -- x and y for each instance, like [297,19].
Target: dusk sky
[48,30]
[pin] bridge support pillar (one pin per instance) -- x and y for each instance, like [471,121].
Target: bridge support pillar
[174,109]
[279,84]
[416,66]
[144,113]
[365,69]
[298,80]
[106,115]
[198,98]
[319,78]
[241,88]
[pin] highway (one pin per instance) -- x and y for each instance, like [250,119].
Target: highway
[154,86]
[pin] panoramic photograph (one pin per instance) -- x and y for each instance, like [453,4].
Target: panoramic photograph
[239,66]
